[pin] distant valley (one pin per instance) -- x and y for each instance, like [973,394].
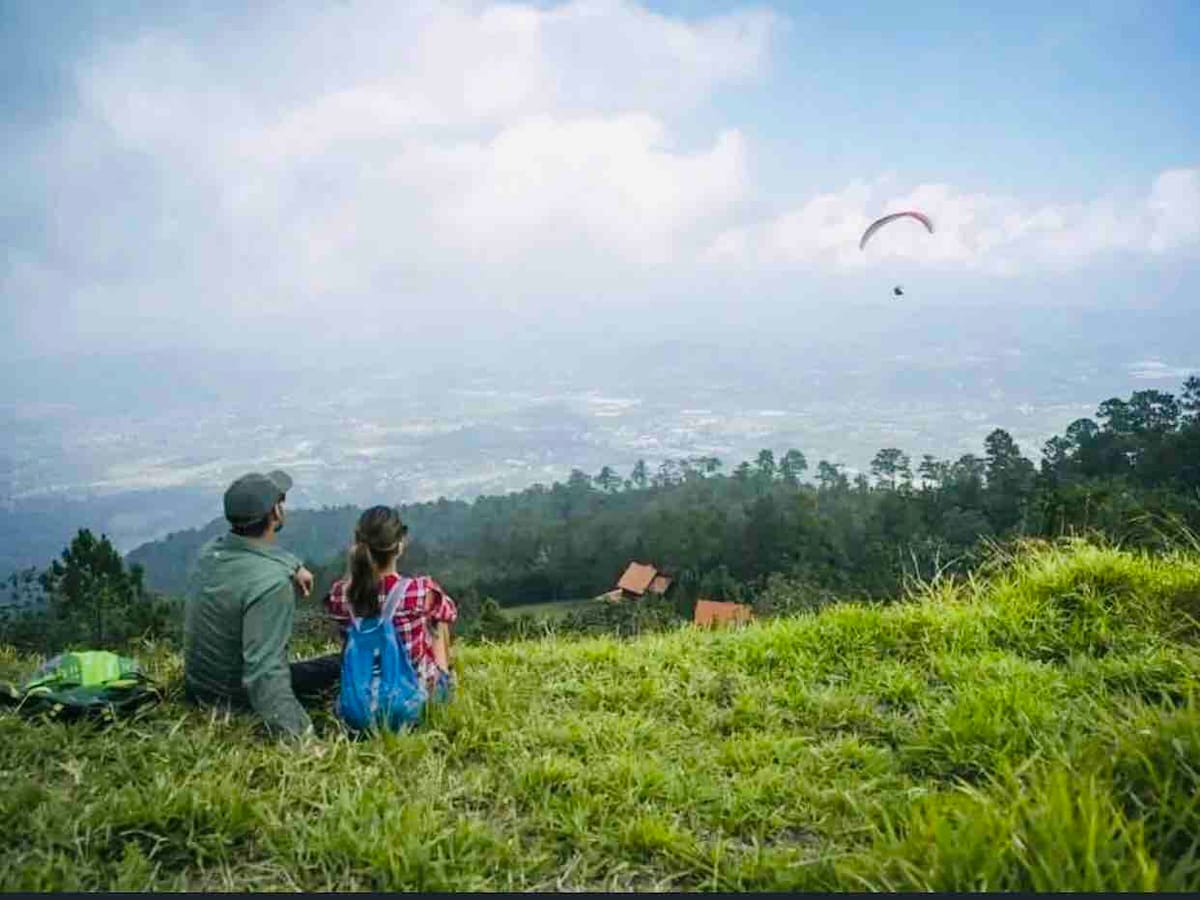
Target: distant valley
[140,472]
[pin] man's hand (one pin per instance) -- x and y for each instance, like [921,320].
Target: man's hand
[303,579]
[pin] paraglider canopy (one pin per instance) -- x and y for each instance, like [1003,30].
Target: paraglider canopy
[879,223]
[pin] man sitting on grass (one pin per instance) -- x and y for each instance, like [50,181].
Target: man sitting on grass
[240,610]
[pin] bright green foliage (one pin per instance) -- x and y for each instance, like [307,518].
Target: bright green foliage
[1032,728]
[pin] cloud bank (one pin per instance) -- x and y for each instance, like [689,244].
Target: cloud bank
[430,160]
[973,231]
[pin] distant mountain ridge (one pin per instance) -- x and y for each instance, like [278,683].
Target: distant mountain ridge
[34,531]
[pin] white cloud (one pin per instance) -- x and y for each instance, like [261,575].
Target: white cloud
[377,146]
[376,72]
[437,159]
[612,183]
[1174,210]
[973,231]
[1157,370]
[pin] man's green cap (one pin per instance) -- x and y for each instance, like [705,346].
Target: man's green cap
[251,497]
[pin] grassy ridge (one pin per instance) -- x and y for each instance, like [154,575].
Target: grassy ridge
[1036,728]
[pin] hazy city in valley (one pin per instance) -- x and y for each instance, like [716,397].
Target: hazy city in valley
[136,458]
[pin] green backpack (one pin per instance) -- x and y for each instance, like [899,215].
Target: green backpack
[84,683]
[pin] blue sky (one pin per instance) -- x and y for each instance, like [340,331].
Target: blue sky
[1029,98]
[191,174]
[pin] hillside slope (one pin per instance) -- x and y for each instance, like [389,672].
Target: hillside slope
[1035,729]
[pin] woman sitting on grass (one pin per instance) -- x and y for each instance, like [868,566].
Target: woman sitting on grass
[424,613]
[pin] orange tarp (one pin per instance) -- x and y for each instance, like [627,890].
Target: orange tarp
[715,612]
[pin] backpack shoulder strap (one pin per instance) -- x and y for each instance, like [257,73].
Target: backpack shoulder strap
[392,601]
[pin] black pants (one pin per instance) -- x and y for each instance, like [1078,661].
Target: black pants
[312,677]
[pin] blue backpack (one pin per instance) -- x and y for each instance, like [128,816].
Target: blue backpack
[379,687]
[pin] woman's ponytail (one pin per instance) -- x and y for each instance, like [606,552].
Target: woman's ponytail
[363,591]
[377,541]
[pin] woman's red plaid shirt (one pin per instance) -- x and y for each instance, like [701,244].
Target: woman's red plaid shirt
[424,602]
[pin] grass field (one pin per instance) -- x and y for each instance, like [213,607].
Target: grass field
[551,611]
[1035,729]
